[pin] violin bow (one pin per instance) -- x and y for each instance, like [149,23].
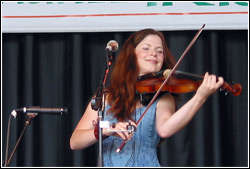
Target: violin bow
[165,82]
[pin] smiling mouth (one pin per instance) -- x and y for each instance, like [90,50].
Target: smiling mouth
[152,61]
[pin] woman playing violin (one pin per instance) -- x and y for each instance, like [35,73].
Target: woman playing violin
[143,52]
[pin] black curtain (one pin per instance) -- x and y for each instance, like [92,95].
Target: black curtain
[65,69]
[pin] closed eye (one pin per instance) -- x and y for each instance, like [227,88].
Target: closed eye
[160,51]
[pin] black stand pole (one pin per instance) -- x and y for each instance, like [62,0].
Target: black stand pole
[27,122]
[97,102]
[97,106]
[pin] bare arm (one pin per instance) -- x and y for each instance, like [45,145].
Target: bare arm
[168,122]
[83,135]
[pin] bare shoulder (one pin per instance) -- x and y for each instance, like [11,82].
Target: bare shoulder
[166,99]
[88,116]
[166,104]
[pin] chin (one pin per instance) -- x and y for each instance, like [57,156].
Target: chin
[149,71]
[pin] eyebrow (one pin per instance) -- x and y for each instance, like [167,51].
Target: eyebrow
[151,45]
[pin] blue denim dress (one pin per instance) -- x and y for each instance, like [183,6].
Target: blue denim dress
[141,150]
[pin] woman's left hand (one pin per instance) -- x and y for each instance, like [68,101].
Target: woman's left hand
[209,85]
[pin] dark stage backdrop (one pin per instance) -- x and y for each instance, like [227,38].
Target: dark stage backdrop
[65,69]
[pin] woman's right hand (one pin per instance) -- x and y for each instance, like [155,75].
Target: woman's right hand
[118,130]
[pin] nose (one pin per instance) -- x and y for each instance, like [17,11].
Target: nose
[153,53]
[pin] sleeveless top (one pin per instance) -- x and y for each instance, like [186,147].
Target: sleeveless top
[141,150]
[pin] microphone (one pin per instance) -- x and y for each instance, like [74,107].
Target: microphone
[112,46]
[40,110]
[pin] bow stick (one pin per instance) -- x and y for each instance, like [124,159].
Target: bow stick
[165,81]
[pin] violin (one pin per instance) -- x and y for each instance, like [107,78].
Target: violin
[179,82]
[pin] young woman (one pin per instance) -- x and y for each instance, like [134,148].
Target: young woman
[144,52]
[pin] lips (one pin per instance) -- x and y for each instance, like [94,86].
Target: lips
[152,61]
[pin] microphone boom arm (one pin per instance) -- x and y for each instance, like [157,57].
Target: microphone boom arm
[30,117]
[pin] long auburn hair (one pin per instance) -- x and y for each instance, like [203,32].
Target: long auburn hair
[122,90]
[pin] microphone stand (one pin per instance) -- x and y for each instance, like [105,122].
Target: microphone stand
[97,103]
[27,122]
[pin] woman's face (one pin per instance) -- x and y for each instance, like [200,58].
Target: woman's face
[149,53]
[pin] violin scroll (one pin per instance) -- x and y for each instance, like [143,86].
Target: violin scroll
[235,89]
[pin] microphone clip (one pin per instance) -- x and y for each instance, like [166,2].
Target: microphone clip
[30,117]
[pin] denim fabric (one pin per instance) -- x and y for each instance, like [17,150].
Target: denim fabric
[141,150]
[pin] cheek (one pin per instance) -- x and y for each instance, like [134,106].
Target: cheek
[140,54]
[161,59]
